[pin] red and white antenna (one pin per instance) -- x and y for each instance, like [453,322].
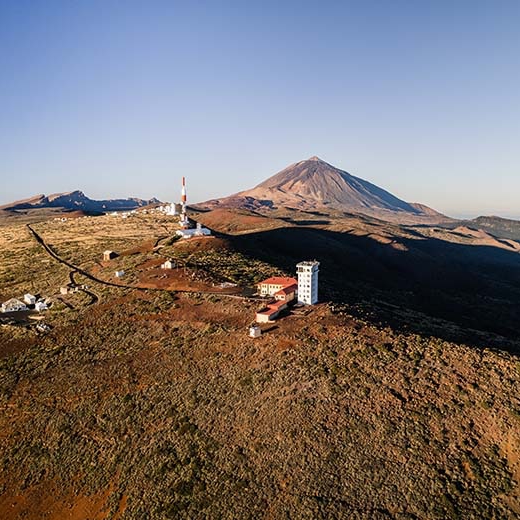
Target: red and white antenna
[183,191]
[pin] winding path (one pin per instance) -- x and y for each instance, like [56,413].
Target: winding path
[86,274]
[58,258]
[94,298]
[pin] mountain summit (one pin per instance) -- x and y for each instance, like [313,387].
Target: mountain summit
[315,184]
[315,181]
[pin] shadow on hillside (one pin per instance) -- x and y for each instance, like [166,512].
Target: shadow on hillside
[457,292]
[300,222]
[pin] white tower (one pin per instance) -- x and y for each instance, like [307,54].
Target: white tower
[308,282]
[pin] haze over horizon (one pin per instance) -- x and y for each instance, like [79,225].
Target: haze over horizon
[122,99]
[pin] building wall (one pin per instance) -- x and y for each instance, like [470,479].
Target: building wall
[269,289]
[286,297]
[264,318]
[255,332]
[29,299]
[189,233]
[13,306]
[308,283]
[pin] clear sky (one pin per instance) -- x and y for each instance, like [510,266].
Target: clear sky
[122,98]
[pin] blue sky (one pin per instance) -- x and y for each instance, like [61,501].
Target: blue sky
[122,98]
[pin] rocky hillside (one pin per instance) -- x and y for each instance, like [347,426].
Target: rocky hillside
[496,226]
[76,200]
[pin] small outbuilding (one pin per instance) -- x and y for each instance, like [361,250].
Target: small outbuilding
[190,233]
[198,231]
[119,274]
[40,306]
[29,299]
[169,264]
[108,255]
[255,331]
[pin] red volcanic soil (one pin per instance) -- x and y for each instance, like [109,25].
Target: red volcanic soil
[178,279]
[234,221]
[47,498]
[145,247]
[151,276]
[203,244]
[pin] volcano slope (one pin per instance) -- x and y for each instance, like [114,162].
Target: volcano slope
[152,404]
[315,185]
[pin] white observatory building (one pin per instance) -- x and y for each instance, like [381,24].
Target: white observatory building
[308,282]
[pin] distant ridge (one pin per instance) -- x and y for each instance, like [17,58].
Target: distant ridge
[497,226]
[76,200]
[315,184]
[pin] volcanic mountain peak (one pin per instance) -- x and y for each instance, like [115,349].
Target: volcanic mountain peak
[315,184]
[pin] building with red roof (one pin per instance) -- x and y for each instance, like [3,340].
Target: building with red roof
[287,294]
[282,297]
[287,290]
[270,312]
[274,284]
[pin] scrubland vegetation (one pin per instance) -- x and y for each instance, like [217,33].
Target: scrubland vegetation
[152,404]
[222,263]
[169,402]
